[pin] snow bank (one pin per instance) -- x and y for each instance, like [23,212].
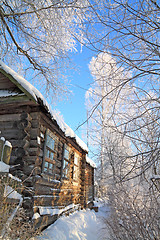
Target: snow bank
[4,167]
[36,95]
[90,161]
[80,225]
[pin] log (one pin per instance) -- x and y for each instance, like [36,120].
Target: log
[29,170]
[34,115]
[15,134]
[20,152]
[34,132]
[7,125]
[34,143]
[23,135]
[33,151]
[23,124]
[30,159]
[10,117]
[26,116]
[48,182]
[46,190]
[35,124]
[7,133]
[46,201]
[20,143]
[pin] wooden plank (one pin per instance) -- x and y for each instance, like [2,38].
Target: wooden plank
[14,81]
[5,83]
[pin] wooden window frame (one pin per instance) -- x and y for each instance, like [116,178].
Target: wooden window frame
[50,154]
[65,174]
[76,167]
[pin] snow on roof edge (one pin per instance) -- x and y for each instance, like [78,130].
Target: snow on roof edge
[90,162]
[36,96]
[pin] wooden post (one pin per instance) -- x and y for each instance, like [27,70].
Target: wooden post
[7,152]
[2,141]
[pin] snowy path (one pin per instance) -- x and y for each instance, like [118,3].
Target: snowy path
[81,225]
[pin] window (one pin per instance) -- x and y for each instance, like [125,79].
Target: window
[50,153]
[76,167]
[66,162]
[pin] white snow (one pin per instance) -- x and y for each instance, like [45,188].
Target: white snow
[15,178]
[38,140]
[7,143]
[9,192]
[4,167]
[46,196]
[53,211]
[36,96]
[156,177]
[35,216]
[6,93]
[80,225]
[90,161]
[3,139]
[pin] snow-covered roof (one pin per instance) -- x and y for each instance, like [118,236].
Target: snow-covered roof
[35,95]
[90,162]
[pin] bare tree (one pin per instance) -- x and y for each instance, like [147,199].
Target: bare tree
[38,36]
[129,31]
[110,145]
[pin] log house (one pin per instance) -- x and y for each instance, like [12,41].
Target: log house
[46,154]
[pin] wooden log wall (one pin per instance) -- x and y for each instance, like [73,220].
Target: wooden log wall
[89,183]
[26,131]
[55,191]
[19,130]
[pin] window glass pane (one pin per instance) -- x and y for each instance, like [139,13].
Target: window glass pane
[66,154]
[47,153]
[65,164]
[65,169]
[51,155]
[46,165]
[50,142]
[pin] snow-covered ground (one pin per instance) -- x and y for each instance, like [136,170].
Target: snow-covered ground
[80,225]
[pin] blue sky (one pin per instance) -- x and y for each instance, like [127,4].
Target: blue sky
[73,110]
